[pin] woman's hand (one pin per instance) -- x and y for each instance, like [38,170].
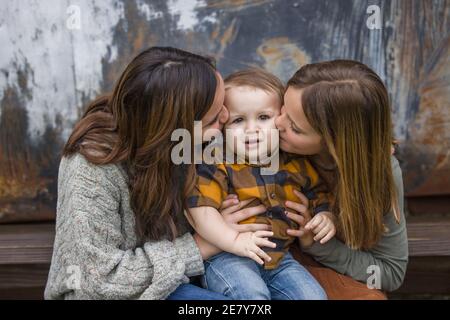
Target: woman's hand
[303,216]
[233,213]
[322,225]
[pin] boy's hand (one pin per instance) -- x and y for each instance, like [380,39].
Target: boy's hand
[322,225]
[247,244]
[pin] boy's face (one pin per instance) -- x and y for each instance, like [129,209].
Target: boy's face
[252,117]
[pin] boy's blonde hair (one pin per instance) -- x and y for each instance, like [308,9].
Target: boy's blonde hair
[256,78]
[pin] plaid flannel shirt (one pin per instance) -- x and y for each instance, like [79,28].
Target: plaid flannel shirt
[215,182]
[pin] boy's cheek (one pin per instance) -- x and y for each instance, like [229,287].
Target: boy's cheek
[233,129]
[233,132]
[270,125]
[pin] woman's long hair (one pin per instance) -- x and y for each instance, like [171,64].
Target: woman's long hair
[347,104]
[161,90]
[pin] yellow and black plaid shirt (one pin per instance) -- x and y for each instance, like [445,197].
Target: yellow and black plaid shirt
[215,182]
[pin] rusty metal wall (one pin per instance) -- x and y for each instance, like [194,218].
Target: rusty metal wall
[50,68]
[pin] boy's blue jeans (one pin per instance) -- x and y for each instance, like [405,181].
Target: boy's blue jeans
[242,278]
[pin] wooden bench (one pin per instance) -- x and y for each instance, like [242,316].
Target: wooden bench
[25,255]
[428,274]
[26,251]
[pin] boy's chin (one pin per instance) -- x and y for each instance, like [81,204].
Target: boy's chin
[255,157]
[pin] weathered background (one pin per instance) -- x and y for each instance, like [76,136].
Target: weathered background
[49,71]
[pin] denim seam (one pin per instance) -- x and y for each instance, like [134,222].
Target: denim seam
[218,274]
[280,292]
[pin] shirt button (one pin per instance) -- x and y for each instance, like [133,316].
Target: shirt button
[272,195]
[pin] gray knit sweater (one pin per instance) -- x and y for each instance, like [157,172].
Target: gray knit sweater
[95,254]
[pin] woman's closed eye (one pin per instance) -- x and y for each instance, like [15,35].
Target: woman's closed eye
[294,129]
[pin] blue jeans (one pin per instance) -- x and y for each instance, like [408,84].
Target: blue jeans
[241,278]
[191,292]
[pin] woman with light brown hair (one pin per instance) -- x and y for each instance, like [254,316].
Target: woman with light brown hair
[338,114]
[121,232]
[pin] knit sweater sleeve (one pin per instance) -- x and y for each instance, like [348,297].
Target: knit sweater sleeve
[389,256]
[90,259]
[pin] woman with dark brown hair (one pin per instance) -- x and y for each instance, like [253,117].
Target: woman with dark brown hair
[120,229]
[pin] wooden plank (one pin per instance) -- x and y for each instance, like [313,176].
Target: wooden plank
[426,275]
[26,243]
[429,206]
[23,281]
[34,293]
[23,276]
[429,237]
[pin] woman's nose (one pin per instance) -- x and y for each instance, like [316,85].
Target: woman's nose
[279,122]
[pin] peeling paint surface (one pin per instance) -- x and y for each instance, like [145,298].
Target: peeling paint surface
[49,71]
[60,65]
[281,56]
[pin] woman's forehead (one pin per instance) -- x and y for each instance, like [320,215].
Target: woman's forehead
[292,102]
[294,108]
